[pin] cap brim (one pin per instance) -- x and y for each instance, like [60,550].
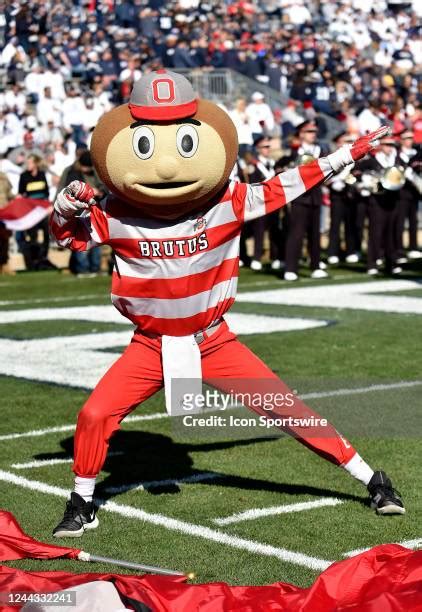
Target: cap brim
[164,113]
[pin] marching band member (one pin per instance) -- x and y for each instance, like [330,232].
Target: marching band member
[343,210]
[383,211]
[409,197]
[305,214]
[263,169]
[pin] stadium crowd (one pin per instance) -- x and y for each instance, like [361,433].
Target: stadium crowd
[63,64]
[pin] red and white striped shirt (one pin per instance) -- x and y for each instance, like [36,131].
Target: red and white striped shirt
[178,277]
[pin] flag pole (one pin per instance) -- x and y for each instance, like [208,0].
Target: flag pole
[150,569]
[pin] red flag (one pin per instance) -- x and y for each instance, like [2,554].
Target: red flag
[23,213]
[387,578]
[15,544]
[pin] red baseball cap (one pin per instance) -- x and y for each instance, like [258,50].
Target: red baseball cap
[162,96]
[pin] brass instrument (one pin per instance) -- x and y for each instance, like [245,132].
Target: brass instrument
[368,184]
[350,179]
[393,179]
[306,158]
[390,179]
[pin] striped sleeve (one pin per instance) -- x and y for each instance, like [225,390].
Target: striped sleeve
[81,233]
[258,199]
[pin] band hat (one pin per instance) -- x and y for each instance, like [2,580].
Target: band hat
[309,126]
[388,140]
[406,134]
[162,96]
[260,139]
[348,137]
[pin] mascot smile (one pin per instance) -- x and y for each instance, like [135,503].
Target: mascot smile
[173,220]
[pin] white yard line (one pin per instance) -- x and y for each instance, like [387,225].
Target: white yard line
[47,462]
[256,513]
[151,484]
[164,415]
[179,526]
[359,390]
[37,432]
[60,428]
[285,284]
[412,544]
[63,298]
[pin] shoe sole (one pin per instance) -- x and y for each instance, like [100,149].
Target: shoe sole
[390,509]
[79,533]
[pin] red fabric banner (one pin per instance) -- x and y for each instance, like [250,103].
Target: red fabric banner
[15,544]
[20,207]
[387,578]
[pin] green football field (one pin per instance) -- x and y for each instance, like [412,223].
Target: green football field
[229,507]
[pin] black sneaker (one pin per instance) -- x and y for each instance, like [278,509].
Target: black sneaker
[78,516]
[384,499]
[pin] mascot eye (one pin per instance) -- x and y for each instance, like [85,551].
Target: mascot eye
[187,140]
[143,142]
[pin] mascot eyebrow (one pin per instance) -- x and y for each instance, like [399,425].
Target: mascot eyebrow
[177,122]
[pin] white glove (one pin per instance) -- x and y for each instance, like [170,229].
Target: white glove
[347,154]
[74,198]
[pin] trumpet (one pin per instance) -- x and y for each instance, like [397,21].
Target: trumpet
[393,178]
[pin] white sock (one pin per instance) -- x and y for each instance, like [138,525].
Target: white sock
[359,469]
[85,487]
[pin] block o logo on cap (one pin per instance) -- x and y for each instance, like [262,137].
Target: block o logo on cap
[162,96]
[163,91]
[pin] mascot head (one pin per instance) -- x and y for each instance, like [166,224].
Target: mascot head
[165,152]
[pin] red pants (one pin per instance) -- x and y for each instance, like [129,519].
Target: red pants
[137,375]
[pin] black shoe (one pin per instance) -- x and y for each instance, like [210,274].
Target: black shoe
[384,498]
[78,516]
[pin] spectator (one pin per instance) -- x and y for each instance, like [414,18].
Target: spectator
[48,109]
[260,116]
[19,155]
[33,184]
[49,133]
[73,110]
[370,118]
[241,121]
[15,100]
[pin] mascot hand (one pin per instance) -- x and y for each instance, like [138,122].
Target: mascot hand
[365,144]
[74,198]
[348,154]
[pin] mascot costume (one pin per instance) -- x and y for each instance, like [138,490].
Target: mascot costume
[173,220]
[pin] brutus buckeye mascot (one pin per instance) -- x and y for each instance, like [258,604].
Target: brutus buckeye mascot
[173,220]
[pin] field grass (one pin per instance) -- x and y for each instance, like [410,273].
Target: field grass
[356,350]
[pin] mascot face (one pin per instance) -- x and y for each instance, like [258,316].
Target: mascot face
[165,152]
